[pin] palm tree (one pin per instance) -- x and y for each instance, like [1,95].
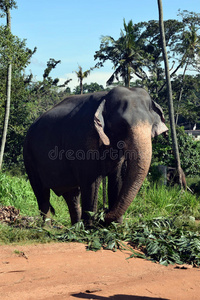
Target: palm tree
[81,75]
[170,99]
[125,54]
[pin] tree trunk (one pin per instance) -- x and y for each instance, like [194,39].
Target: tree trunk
[169,89]
[81,86]
[8,95]
[181,92]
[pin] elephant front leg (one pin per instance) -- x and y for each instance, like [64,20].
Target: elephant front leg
[89,197]
[72,199]
[115,182]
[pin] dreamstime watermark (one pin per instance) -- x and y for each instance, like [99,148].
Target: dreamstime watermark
[111,153]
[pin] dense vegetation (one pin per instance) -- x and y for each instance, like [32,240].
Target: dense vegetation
[161,220]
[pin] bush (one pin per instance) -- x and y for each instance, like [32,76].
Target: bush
[195,186]
[188,148]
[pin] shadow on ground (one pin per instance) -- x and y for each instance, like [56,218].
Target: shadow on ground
[114,297]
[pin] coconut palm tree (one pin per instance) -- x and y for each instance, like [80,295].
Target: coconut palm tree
[81,75]
[125,54]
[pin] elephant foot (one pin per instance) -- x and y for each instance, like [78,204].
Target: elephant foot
[89,224]
[109,218]
[119,220]
[46,218]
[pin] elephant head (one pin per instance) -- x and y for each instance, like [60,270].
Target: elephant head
[129,115]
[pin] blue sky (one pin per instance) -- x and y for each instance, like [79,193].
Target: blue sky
[70,30]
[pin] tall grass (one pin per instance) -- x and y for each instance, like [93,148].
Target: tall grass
[17,192]
[158,200]
[152,201]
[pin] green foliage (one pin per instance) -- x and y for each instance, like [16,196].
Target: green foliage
[12,234]
[195,185]
[14,50]
[51,64]
[4,4]
[163,240]
[159,200]
[88,88]
[28,101]
[126,53]
[188,107]
[19,121]
[17,192]
[160,222]
[188,148]
[168,241]
[82,75]
[138,52]
[92,87]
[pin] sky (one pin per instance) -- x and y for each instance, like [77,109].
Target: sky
[71,30]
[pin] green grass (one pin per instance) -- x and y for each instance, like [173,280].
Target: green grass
[161,221]
[152,201]
[159,200]
[17,192]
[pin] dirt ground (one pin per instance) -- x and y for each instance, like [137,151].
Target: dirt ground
[67,271]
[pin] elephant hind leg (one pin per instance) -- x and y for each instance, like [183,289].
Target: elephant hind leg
[72,199]
[42,194]
[43,198]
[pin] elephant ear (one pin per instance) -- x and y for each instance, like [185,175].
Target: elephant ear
[156,107]
[159,126]
[99,124]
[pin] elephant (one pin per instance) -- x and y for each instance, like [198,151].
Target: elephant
[85,138]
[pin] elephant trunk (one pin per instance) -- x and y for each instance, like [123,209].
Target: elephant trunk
[138,156]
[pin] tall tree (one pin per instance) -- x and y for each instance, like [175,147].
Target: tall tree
[29,100]
[138,51]
[6,6]
[189,106]
[13,51]
[169,89]
[125,54]
[81,75]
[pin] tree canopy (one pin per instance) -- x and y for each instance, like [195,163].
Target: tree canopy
[137,61]
[137,53]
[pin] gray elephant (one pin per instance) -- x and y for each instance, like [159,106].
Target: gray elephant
[85,138]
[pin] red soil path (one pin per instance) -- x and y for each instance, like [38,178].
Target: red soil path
[67,271]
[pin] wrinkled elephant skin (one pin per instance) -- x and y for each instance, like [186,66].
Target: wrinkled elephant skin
[71,147]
